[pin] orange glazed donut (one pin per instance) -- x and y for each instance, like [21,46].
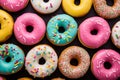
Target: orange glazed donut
[74,71]
[106,11]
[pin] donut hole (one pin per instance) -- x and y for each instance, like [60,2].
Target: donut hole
[94,32]
[42,61]
[107,65]
[110,2]
[74,62]
[61,29]
[77,2]
[45,0]
[29,28]
[8,59]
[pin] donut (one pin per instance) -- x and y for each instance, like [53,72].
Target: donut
[45,6]
[116,34]
[58,79]
[6,26]
[11,59]
[61,30]
[74,71]
[29,20]
[103,57]
[25,78]
[106,11]
[76,10]
[35,55]
[2,78]
[94,32]
[13,5]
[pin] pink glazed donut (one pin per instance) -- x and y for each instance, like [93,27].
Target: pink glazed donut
[94,32]
[26,21]
[13,5]
[103,57]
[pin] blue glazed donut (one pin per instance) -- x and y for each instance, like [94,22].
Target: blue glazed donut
[68,33]
[11,59]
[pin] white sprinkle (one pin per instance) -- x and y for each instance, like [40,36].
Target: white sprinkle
[33,37]
[11,6]
[4,4]
[18,28]
[24,39]
[20,36]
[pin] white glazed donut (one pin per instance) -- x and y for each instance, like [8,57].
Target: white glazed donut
[46,7]
[116,34]
[32,61]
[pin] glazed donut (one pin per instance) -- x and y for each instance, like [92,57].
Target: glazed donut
[13,5]
[11,59]
[116,34]
[101,34]
[76,10]
[106,11]
[29,20]
[65,36]
[32,61]
[98,65]
[45,7]
[72,71]
[25,78]
[6,26]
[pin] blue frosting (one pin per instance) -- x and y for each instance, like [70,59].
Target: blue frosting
[11,59]
[65,21]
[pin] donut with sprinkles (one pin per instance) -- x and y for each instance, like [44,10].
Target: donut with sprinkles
[33,65]
[12,56]
[45,6]
[61,29]
[13,5]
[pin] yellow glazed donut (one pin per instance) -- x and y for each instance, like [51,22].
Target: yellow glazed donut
[58,78]
[25,78]
[6,26]
[76,10]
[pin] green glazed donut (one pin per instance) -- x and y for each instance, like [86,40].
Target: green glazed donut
[11,59]
[68,33]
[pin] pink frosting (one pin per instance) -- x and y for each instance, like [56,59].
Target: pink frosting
[94,41]
[98,69]
[25,37]
[13,5]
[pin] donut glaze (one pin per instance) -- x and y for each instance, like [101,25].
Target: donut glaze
[97,64]
[72,71]
[12,56]
[76,10]
[106,11]
[6,26]
[25,37]
[90,40]
[32,61]
[13,5]
[46,7]
[61,38]
[116,34]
